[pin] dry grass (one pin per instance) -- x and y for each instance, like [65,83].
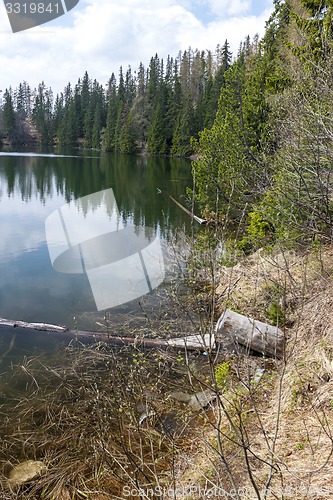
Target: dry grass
[81,417]
[289,416]
[289,278]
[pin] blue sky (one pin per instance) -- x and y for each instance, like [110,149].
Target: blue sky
[100,35]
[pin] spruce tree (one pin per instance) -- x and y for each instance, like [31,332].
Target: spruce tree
[8,116]
[112,113]
[183,129]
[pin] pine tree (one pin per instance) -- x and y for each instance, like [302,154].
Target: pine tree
[122,111]
[157,143]
[69,132]
[127,144]
[42,113]
[84,102]
[96,129]
[183,129]
[58,115]
[112,113]
[141,110]
[231,170]
[9,120]
[20,102]
[317,27]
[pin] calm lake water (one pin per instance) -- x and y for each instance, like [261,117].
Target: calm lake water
[32,186]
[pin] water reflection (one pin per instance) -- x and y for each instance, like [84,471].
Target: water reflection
[134,180]
[32,187]
[122,262]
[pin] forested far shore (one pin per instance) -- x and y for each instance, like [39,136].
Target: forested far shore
[156,109]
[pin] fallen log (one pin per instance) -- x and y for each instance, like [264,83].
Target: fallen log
[255,335]
[33,326]
[195,217]
[190,343]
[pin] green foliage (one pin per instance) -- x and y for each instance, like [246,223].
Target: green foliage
[275,314]
[183,130]
[158,109]
[42,113]
[259,232]
[298,203]
[109,133]
[222,371]
[232,170]
[274,298]
[267,157]
[257,227]
[156,136]
[8,114]
[127,140]
[316,28]
[261,126]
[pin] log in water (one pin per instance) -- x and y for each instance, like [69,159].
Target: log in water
[255,335]
[191,342]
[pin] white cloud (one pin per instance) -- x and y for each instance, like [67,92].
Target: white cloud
[106,34]
[230,7]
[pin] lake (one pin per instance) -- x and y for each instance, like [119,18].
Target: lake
[34,186]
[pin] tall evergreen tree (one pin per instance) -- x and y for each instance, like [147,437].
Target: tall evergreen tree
[8,115]
[112,113]
[183,129]
[42,113]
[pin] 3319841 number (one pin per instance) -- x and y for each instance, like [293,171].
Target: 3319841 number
[32,8]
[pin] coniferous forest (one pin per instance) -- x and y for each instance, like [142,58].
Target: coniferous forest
[156,109]
[260,123]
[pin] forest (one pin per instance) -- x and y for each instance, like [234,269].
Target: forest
[266,162]
[259,124]
[156,109]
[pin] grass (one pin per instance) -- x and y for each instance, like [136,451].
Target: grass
[81,416]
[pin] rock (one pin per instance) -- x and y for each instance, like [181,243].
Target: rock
[26,471]
[197,401]
[180,396]
[200,400]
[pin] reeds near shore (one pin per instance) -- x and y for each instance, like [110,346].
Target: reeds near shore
[81,417]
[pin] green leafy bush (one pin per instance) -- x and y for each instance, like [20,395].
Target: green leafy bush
[221,374]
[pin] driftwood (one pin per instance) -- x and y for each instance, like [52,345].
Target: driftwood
[33,326]
[195,217]
[190,343]
[254,335]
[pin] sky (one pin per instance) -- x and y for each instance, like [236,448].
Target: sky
[99,36]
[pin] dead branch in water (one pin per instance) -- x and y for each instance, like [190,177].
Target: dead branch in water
[195,217]
[190,343]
